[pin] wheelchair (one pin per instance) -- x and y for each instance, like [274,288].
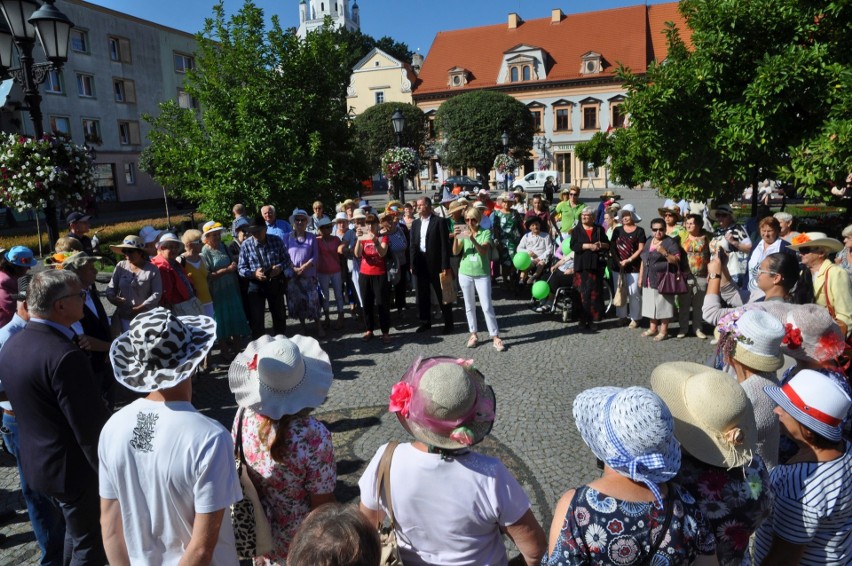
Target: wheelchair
[566,297]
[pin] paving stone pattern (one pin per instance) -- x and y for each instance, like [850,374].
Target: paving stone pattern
[546,364]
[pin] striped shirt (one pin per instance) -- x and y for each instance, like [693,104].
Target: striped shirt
[812,507]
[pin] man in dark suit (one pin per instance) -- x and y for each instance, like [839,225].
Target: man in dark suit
[58,407]
[430,256]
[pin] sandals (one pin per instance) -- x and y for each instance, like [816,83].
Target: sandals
[498,344]
[660,337]
[650,332]
[472,341]
[367,336]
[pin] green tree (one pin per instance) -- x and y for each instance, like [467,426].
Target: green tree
[764,90]
[473,124]
[273,125]
[360,44]
[373,131]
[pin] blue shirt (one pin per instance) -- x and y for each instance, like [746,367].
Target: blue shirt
[254,256]
[10,329]
[280,228]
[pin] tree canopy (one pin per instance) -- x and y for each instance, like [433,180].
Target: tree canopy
[272,125]
[762,88]
[360,44]
[473,124]
[374,132]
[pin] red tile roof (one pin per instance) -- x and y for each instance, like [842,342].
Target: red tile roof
[631,36]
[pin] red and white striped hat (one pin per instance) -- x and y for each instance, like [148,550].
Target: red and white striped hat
[815,400]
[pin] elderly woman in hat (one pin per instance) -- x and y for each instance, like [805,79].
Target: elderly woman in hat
[196,269]
[303,301]
[831,283]
[136,285]
[231,322]
[178,293]
[810,519]
[539,245]
[590,246]
[451,504]
[672,218]
[627,242]
[714,423]
[14,264]
[277,383]
[750,345]
[632,514]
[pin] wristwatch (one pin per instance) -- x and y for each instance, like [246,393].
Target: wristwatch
[714,276]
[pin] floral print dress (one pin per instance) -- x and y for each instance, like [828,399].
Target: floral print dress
[506,228]
[285,487]
[600,530]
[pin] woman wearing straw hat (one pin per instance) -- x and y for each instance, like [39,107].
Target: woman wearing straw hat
[631,514]
[714,423]
[196,269]
[450,504]
[277,382]
[672,218]
[135,285]
[231,322]
[831,284]
[750,345]
[811,520]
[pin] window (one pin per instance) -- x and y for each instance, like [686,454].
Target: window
[79,41]
[130,173]
[183,63]
[380,96]
[526,72]
[186,101]
[124,90]
[563,118]
[537,116]
[92,131]
[60,124]
[590,117]
[53,82]
[104,174]
[514,73]
[119,49]
[128,133]
[85,85]
[617,118]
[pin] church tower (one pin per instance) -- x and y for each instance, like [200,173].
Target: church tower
[313,12]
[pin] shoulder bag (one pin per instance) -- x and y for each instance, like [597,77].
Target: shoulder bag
[387,533]
[619,299]
[672,282]
[252,532]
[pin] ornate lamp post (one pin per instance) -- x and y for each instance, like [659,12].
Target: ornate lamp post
[398,121]
[543,144]
[23,21]
[505,139]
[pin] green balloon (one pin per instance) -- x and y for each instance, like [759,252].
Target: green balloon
[522,261]
[540,290]
[566,246]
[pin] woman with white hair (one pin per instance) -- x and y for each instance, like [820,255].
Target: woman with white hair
[844,256]
[785,219]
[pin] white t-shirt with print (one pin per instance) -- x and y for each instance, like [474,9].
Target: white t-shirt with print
[165,462]
[448,512]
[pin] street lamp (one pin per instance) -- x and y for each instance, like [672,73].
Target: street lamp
[23,21]
[398,121]
[505,138]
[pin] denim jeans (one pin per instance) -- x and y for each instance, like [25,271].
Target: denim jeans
[45,516]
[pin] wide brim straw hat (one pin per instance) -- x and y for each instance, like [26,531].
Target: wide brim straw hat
[75,261]
[160,350]
[168,238]
[726,208]
[149,234]
[341,217]
[815,400]
[674,210]
[816,240]
[753,338]
[810,334]
[631,210]
[277,376]
[639,421]
[358,214]
[714,419]
[211,227]
[457,205]
[444,402]
[130,242]
[323,222]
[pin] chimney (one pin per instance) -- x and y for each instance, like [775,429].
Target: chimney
[515,21]
[556,16]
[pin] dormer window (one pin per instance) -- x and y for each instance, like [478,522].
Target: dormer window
[523,63]
[592,63]
[522,69]
[457,77]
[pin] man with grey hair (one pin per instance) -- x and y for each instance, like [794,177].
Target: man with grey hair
[274,225]
[49,381]
[785,219]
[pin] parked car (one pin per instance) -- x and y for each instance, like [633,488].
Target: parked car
[463,181]
[535,180]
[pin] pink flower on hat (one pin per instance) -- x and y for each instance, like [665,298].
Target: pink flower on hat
[400,398]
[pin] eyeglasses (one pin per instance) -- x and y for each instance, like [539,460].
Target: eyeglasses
[572,194]
[759,271]
[658,229]
[300,220]
[81,294]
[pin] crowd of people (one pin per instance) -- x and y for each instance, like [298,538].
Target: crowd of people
[743,460]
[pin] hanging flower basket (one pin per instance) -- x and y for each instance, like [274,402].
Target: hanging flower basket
[400,162]
[35,172]
[504,162]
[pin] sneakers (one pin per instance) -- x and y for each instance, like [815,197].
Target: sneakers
[701,335]
[633,324]
[681,335]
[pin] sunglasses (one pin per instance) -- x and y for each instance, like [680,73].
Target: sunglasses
[808,250]
[658,229]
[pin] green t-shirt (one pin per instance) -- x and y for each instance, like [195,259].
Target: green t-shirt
[570,214]
[473,263]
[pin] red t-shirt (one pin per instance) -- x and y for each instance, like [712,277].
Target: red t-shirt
[371,262]
[329,261]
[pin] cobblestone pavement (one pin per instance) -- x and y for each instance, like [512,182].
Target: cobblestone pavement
[535,380]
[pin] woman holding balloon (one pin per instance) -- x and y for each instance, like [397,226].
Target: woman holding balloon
[590,246]
[474,245]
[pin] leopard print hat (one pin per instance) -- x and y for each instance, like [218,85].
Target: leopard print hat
[161,350]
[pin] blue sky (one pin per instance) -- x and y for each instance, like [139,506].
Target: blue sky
[414,22]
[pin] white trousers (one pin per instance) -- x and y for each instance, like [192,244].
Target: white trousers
[633,308]
[482,286]
[336,282]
